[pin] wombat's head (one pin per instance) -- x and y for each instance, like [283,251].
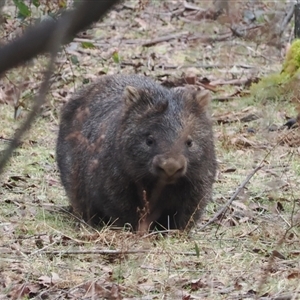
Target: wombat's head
[165,133]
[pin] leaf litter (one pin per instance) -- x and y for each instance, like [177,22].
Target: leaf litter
[47,254]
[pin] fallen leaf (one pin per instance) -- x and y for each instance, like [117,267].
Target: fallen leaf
[294,275]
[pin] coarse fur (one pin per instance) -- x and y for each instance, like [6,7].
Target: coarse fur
[132,151]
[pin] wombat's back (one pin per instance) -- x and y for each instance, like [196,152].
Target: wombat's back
[98,103]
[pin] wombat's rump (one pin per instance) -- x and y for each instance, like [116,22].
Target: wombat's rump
[131,151]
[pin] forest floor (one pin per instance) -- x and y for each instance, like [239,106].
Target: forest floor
[252,251]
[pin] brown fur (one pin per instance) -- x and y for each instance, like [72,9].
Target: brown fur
[131,151]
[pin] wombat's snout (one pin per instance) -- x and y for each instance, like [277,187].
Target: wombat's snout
[169,168]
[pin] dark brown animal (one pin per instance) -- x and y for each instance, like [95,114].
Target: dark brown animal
[132,151]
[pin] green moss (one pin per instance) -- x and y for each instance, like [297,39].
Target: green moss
[270,87]
[283,85]
[291,64]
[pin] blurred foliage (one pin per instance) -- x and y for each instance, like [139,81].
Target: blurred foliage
[38,8]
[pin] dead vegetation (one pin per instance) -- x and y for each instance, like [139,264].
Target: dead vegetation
[250,250]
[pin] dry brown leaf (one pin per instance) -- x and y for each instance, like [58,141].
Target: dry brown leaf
[294,275]
[23,290]
[102,289]
[241,141]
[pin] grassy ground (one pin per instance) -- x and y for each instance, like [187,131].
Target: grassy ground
[252,252]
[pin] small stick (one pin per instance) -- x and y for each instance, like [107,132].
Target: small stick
[287,18]
[209,39]
[225,207]
[165,39]
[242,185]
[87,252]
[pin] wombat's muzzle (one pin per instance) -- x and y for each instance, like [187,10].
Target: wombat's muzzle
[169,169]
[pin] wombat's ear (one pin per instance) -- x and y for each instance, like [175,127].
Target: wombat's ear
[131,95]
[203,98]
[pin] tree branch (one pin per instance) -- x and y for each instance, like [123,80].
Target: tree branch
[36,39]
[46,37]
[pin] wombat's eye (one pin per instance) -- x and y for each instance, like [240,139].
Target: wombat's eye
[189,142]
[149,140]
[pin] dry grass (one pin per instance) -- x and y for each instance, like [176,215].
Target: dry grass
[252,252]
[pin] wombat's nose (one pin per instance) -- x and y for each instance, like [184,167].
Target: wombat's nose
[170,167]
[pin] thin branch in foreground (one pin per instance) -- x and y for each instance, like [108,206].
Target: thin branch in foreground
[36,39]
[46,37]
[40,99]
[237,191]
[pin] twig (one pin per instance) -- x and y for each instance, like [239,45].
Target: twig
[231,82]
[287,18]
[225,207]
[225,98]
[209,39]
[240,32]
[242,185]
[180,67]
[165,38]
[87,252]
[204,66]
[187,35]
[5,140]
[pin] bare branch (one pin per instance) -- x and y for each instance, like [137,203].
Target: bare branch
[93,252]
[237,191]
[36,40]
[46,37]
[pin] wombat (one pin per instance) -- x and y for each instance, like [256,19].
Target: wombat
[131,151]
